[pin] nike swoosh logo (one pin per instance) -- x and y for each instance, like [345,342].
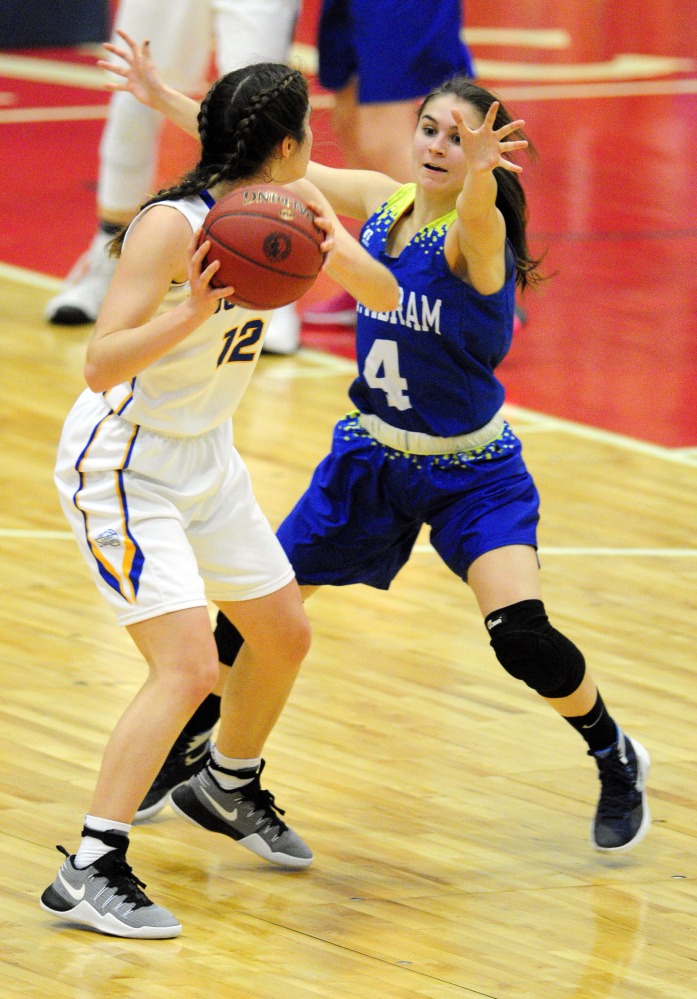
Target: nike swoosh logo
[193,757]
[230,816]
[78,895]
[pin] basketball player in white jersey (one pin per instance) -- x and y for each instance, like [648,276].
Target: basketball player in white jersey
[163,510]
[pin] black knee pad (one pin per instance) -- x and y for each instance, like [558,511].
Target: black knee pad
[228,640]
[530,649]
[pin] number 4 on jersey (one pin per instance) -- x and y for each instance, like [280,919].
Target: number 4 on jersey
[385,355]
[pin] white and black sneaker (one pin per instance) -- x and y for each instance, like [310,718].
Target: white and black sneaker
[623,817]
[246,814]
[85,287]
[108,897]
[188,755]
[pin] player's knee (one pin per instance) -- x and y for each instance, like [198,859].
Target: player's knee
[227,639]
[530,649]
[298,638]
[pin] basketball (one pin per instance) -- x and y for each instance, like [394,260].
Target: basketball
[267,243]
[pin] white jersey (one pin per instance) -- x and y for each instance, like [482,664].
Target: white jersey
[198,383]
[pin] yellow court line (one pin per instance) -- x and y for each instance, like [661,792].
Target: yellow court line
[527,38]
[620,67]
[321,102]
[53,71]
[591,91]
[34,279]
[73,113]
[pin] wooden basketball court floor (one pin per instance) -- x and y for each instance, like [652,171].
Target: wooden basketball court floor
[447,807]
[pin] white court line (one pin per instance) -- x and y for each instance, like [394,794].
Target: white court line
[38,535]
[541,422]
[533,422]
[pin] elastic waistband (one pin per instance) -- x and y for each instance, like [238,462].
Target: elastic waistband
[413,442]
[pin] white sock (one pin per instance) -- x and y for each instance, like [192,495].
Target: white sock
[227,781]
[91,848]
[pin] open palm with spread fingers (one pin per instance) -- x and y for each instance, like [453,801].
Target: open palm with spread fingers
[140,75]
[484,147]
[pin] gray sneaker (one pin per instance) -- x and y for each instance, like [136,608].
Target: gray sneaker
[247,814]
[85,287]
[107,896]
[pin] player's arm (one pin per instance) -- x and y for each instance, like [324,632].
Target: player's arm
[366,279]
[159,250]
[478,237]
[141,78]
[356,194]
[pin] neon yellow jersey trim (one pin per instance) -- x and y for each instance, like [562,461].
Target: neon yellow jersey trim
[400,202]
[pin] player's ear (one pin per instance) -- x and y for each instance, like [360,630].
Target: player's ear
[287,146]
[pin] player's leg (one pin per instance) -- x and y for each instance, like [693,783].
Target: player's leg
[226,796]
[131,535]
[180,44]
[95,886]
[493,549]
[330,544]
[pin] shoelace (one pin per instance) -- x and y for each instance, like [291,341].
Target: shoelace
[264,802]
[119,875]
[619,794]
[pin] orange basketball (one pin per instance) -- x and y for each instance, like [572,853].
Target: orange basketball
[267,243]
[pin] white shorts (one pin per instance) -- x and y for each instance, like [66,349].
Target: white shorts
[163,522]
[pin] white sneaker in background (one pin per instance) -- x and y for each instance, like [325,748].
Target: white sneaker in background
[283,334]
[85,287]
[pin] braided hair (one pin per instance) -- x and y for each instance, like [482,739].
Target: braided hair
[510,197]
[242,119]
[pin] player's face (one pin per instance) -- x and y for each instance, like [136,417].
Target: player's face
[439,164]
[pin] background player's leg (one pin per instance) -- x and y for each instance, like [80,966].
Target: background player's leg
[180,43]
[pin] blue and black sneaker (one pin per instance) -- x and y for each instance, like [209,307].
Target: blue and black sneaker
[188,755]
[623,817]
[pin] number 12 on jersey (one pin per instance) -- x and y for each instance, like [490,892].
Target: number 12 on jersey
[384,356]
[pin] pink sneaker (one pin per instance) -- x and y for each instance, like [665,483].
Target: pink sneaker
[340,310]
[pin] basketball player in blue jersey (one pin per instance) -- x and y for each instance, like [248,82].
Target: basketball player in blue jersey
[163,511]
[428,443]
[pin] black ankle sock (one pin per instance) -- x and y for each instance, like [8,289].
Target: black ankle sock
[204,717]
[597,727]
[110,228]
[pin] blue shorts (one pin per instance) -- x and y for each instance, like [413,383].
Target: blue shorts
[398,49]
[366,503]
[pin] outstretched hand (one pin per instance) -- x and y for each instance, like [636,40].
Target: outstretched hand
[484,147]
[140,75]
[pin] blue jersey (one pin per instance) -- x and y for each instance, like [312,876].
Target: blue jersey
[428,366]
